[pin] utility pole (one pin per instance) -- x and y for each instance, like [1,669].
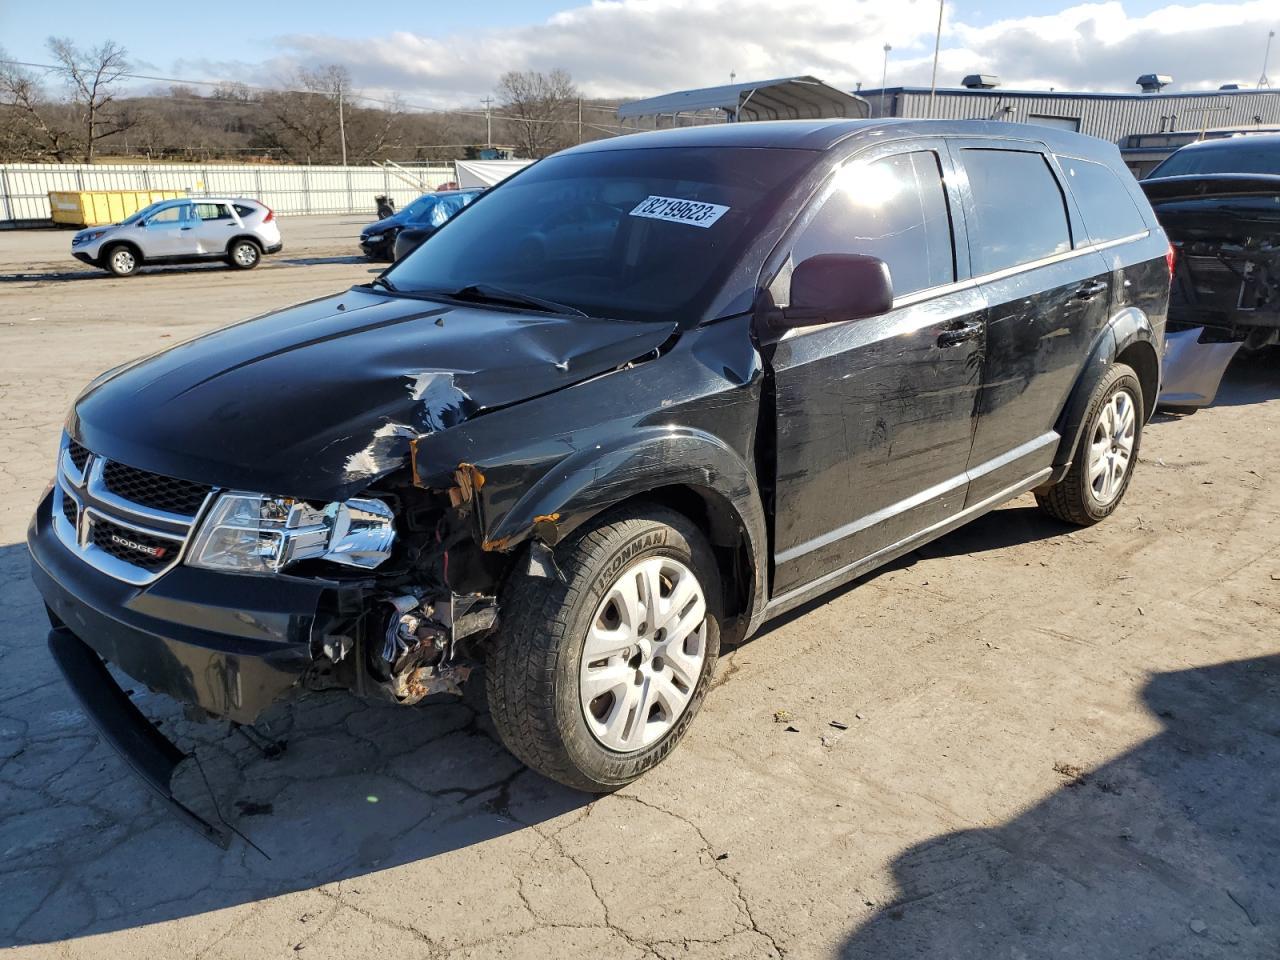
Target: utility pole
[937,44]
[1263,81]
[488,122]
[579,119]
[342,127]
[884,76]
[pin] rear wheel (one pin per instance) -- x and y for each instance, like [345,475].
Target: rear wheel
[244,254]
[122,260]
[594,679]
[1105,456]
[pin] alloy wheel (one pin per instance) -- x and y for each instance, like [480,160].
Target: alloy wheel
[643,654]
[246,254]
[123,261]
[1111,448]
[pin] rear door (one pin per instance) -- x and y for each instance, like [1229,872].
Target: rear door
[1048,292]
[213,224]
[874,417]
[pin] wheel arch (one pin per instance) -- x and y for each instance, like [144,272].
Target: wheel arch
[1128,338]
[685,470]
[113,243]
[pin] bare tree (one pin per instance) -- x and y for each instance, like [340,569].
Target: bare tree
[92,76]
[309,123]
[31,128]
[540,106]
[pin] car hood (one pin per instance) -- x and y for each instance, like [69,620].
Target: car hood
[319,400]
[381,226]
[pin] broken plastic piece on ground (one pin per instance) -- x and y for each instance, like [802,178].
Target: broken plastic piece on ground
[1193,370]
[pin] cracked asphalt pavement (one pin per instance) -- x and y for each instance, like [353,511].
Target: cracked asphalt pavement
[1022,741]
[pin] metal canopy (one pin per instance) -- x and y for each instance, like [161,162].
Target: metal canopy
[788,98]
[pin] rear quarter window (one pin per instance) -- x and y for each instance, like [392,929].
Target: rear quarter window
[244,210]
[1019,213]
[1105,202]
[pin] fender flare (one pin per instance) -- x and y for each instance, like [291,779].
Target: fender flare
[593,479]
[1123,330]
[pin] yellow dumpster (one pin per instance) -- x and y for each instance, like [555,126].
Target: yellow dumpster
[92,208]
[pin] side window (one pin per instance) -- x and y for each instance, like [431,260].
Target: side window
[169,215]
[244,210]
[212,211]
[895,209]
[1105,203]
[1019,212]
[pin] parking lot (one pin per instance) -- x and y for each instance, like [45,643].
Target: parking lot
[1021,741]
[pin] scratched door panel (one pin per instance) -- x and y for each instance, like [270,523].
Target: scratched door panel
[875,417]
[874,422]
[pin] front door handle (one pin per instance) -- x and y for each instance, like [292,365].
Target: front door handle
[954,336]
[1087,291]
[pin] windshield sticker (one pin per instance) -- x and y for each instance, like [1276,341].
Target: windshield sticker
[674,210]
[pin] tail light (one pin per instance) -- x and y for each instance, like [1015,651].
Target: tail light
[1171,258]
[271,215]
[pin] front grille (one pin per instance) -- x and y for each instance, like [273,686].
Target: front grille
[152,490]
[78,454]
[69,509]
[132,546]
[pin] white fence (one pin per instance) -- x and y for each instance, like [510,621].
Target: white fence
[24,187]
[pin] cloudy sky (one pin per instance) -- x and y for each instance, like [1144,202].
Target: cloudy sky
[449,55]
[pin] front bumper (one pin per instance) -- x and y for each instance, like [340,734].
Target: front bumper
[85,257]
[228,644]
[379,249]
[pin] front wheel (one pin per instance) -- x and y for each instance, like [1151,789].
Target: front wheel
[244,254]
[122,260]
[1105,456]
[594,677]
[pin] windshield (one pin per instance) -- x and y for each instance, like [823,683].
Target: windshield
[418,209]
[633,234]
[1238,156]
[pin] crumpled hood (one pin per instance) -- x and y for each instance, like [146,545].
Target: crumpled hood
[397,219]
[318,400]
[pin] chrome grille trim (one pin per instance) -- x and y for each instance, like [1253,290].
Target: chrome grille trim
[95,502]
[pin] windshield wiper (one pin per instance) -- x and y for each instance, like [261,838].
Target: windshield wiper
[487,293]
[381,281]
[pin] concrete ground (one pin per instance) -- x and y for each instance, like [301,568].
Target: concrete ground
[1023,741]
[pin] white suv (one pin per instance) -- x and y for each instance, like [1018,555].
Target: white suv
[183,231]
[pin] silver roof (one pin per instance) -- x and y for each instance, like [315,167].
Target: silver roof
[786,98]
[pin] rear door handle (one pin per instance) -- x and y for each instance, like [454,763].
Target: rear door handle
[1087,291]
[957,335]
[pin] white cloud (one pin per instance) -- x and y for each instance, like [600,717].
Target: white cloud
[621,48]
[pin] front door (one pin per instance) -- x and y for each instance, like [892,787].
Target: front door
[169,233]
[875,417]
[1048,294]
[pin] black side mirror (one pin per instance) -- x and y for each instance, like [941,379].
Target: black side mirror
[837,286]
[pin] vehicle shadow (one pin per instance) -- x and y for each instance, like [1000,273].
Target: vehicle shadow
[85,848]
[1170,850]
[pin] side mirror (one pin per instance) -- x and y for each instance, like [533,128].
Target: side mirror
[140,224]
[837,286]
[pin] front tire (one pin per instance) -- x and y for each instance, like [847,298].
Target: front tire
[594,678]
[1105,456]
[244,254]
[122,260]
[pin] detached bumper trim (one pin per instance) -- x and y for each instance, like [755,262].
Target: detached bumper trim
[152,756]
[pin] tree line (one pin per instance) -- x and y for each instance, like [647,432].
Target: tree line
[78,112]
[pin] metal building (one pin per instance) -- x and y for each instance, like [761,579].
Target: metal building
[786,98]
[1126,119]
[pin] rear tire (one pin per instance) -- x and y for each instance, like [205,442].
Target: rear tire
[122,260]
[1106,454]
[593,718]
[244,254]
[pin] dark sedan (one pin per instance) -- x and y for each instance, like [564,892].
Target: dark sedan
[431,210]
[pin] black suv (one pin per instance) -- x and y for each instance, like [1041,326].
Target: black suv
[761,359]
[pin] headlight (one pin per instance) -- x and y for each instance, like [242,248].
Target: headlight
[87,237]
[373,238]
[249,533]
